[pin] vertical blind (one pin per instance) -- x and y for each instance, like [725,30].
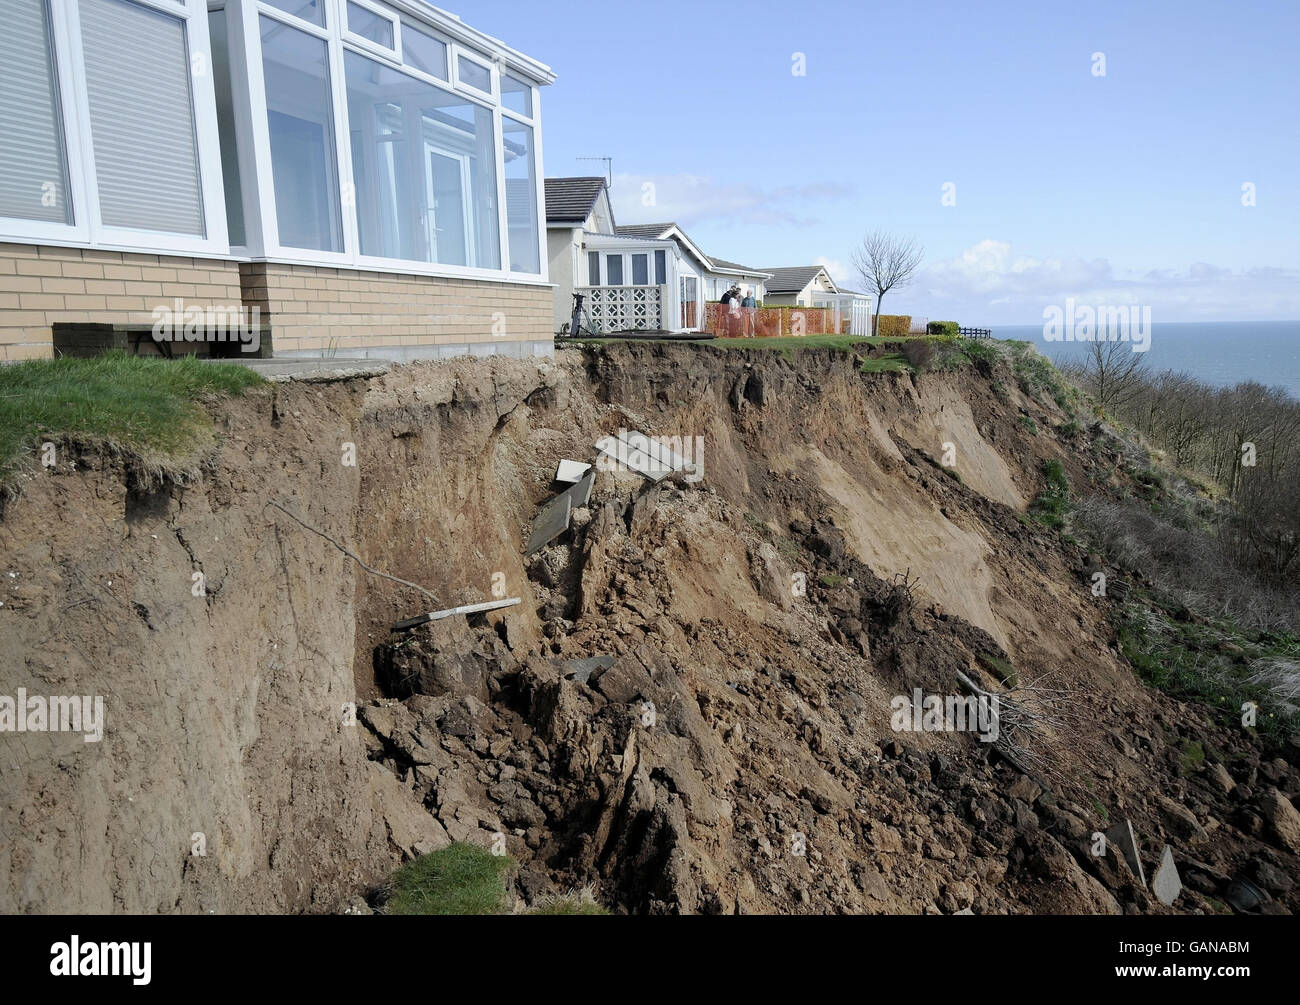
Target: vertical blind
[33,182]
[141,118]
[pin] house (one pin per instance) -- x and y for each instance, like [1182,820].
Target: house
[361,176]
[649,277]
[812,286]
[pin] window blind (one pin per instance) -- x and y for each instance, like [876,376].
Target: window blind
[33,183]
[141,118]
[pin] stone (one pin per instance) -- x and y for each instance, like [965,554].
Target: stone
[1026,789]
[580,671]
[1282,817]
[1220,777]
[1165,884]
[1180,821]
[1122,837]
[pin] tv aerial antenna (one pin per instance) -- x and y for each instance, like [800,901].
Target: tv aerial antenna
[609,167]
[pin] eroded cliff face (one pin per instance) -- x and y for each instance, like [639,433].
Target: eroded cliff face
[737,756]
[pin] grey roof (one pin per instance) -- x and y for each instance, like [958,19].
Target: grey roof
[722,263]
[571,199]
[650,230]
[792,279]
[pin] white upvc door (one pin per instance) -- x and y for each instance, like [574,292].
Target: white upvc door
[447,181]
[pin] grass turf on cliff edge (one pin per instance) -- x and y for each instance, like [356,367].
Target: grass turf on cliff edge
[140,404]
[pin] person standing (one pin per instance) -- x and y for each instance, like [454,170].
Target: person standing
[734,323]
[724,316]
[749,308]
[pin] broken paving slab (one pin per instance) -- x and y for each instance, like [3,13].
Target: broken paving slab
[1166,884]
[552,519]
[581,670]
[421,619]
[1122,837]
[644,454]
[571,472]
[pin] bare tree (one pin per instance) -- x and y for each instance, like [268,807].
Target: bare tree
[885,262]
[1113,372]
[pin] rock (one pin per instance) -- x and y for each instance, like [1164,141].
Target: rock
[1282,817]
[411,830]
[1025,789]
[1180,821]
[1165,884]
[771,576]
[1270,877]
[1218,774]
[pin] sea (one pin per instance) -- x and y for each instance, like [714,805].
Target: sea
[1220,353]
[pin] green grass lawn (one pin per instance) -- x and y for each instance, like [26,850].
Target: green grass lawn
[459,879]
[146,405]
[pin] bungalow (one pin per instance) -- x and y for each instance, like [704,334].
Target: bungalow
[649,277]
[363,175]
[812,286]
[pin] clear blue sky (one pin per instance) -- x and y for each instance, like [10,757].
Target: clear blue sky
[1119,189]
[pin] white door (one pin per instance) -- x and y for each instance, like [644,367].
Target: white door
[451,238]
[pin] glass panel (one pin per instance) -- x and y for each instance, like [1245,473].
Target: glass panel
[516,95]
[593,268]
[661,268]
[614,270]
[141,122]
[424,168]
[226,127]
[474,75]
[33,170]
[308,10]
[521,197]
[299,115]
[366,23]
[424,52]
[640,270]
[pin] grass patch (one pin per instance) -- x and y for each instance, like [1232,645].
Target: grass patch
[459,879]
[583,903]
[1028,422]
[145,405]
[1050,507]
[999,668]
[831,580]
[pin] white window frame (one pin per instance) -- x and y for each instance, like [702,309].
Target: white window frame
[360,41]
[487,64]
[74,102]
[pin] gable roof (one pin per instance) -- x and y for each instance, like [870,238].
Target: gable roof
[571,200]
[792,279]
[660,231]
[723,265]
[651,230]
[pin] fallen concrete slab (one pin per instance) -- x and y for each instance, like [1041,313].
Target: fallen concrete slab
[582,669]
[643,454]
[1122,837]
[491,605]
[552,519]
[1166,884]
[571,472]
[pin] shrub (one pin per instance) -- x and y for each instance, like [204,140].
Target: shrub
[919,352]
[949,328]
[1050,506]
[893,325]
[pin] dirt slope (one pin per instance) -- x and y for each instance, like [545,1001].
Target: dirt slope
[765,777]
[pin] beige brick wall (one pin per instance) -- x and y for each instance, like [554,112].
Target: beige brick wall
[313,308]
[40,285]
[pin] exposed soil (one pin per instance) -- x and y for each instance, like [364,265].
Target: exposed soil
[737,756]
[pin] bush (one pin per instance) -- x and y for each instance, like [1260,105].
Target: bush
[1050,507]
[893,325]
[919,353]
[949,328]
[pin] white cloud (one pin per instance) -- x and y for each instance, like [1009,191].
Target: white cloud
[689,199]
[989,284]
[841,273]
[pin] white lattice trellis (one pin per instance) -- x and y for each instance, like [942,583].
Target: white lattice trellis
[625,308]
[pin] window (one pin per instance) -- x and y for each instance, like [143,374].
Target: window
[474,75]
[593,268]
[308,10]
[141,121]
[661,268]
[424,169]
[424,52]
[33,171]
[521,197]
[516,95]
[371,25]
[640,270]
[614,270]
[299,113]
